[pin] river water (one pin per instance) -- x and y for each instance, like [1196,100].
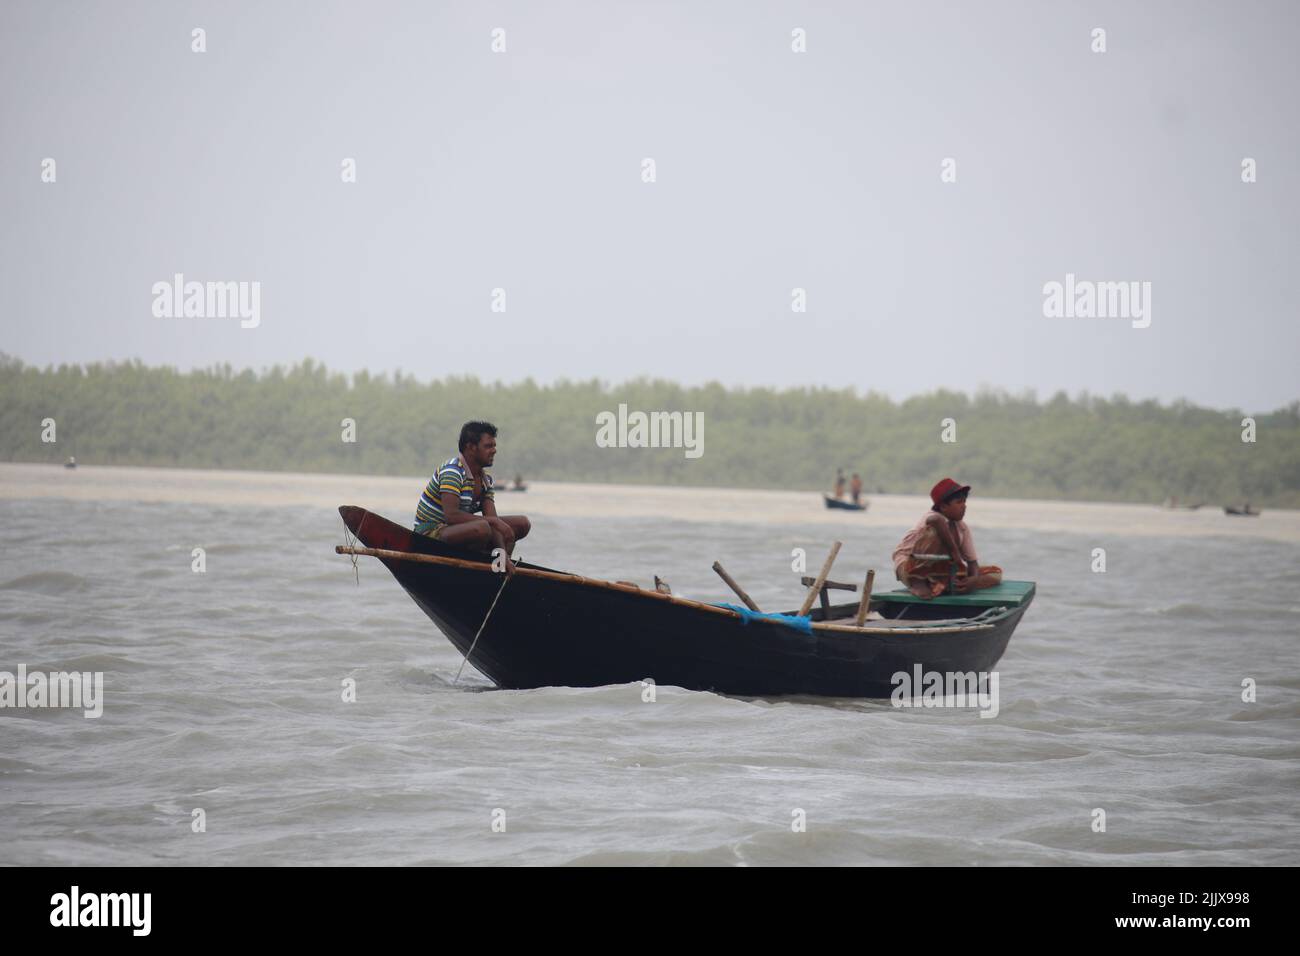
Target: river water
[1121,691]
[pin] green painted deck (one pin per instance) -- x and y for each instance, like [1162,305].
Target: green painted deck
[1008,593]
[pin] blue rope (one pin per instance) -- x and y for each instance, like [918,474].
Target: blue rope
[789,620]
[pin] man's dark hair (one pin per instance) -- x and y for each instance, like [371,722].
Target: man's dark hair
[471,433]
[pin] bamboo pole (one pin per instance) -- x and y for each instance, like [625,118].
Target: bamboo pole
[629,588]
[821,579]
[865,605]
[731,583]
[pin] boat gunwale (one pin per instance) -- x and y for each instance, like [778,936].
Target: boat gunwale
[386,554]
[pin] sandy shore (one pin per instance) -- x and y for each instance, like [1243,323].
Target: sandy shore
[396,497]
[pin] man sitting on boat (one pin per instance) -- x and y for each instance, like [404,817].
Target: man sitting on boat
[942,532]
[450,507]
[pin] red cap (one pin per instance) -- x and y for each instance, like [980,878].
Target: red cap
[946,489]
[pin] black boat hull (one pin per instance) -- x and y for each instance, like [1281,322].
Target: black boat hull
[548,632]
[837,503]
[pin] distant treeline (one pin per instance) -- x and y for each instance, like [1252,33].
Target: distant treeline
[292,420]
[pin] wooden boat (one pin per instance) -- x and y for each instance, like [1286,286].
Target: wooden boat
[842,504]
[551,628]
[1240,512]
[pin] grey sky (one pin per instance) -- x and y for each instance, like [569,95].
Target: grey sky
[775,170]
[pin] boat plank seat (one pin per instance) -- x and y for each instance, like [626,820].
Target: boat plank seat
[1008,594]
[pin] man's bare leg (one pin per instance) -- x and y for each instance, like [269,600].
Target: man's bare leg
[925,588]
[503,538]
[947,537]
[980,581]
[467,534]
[938,537]
[507,530]
[519,525]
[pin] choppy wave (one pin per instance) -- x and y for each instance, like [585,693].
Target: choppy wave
[226,691]
[47,582]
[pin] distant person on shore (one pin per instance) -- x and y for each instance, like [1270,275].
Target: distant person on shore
[943,530]
[855,489]
[839,482]
[450,507]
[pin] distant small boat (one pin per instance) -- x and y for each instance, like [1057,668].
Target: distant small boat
[1246,512]
[70,463]
[843,505]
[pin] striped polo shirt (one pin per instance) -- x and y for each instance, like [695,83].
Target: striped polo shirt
[453,476]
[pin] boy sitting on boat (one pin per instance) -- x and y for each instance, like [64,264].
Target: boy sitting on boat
[459,490]
[942,532]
